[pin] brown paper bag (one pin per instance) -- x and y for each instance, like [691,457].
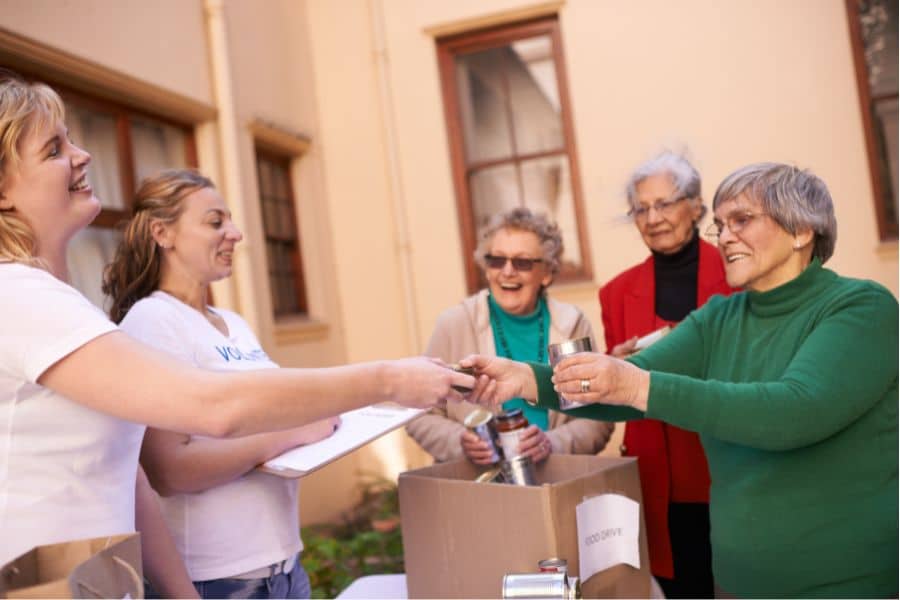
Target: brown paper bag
[104,567]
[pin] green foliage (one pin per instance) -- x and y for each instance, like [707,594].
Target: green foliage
[367,542]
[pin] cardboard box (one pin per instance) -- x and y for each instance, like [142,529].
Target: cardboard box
[460,537]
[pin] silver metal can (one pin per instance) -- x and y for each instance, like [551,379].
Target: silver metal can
[518,470]
[553,565]
[479,422]
[540,585]
[555,353]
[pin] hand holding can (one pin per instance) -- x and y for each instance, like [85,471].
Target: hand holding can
[556,352]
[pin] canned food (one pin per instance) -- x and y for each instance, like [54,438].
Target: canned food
[556,352]
[479,422]
[510,425]
[519,471]
[468,371]
[540,585]
[553,565]
[490,476]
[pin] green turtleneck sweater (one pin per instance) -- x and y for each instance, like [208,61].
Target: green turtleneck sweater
[794,394]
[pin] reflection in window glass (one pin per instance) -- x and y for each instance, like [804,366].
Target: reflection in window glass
[493,190]
[547,186]
[483,106]
[89,252]
[156,146]
[95,131]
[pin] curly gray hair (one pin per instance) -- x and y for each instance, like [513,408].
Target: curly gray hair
[523,219]
[794,198]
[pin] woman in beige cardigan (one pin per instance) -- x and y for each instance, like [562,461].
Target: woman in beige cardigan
[520,253]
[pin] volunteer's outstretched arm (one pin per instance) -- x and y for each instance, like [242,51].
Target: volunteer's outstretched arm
[144,385]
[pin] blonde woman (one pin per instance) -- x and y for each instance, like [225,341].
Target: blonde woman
[75,392]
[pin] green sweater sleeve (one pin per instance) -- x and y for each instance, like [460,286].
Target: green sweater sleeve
[846,365]
[548,398]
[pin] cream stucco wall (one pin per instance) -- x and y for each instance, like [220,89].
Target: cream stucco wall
[735,82]
[162,42]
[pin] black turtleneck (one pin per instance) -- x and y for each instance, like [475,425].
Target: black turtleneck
[675,276]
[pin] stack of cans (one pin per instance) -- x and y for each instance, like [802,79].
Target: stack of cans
[515,470]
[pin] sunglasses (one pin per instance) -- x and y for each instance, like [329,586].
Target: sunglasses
[519,264]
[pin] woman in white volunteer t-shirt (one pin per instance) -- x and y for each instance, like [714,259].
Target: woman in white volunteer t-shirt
[160,297]
[74,390]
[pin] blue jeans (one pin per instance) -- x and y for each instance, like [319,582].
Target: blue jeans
[284,585]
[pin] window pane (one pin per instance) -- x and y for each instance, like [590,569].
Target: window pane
[483,102]
[535,98]
[156,146]
[878,20]
[265,178]
[493,190]
[548,189]
[878,27]
[287,220]
[89,252]
[886,118]
[95,131]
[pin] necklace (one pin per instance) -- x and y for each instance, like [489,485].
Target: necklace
[504,345]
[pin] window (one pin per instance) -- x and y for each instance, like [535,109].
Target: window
[511,138]
[125,146]
[873,35]
[280,228]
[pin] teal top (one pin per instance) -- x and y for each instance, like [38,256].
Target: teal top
[522,337]
[794,394]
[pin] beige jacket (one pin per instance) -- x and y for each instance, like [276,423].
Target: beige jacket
[466,329]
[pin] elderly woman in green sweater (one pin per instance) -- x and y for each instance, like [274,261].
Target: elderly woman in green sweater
[792,386]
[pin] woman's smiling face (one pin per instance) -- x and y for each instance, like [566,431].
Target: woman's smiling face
[48,186]
[760,255]
[517,291]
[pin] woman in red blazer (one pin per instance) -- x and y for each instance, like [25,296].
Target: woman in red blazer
[681,273]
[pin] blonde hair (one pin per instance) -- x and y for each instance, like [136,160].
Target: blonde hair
[24,106]
[135,271]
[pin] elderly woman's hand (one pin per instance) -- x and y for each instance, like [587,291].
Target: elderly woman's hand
[589,377]
[475,448]
[534,443]
[625,349]
[499,379]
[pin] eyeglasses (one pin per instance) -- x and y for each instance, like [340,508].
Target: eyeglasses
[518,263]
[735,223]
[661,206]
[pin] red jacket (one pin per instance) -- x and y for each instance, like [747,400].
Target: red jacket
[671,460]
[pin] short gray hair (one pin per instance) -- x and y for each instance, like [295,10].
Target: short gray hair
[684,176]
[795,198]
[523,219]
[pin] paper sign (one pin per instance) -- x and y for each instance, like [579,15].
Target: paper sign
[608,533]
[358,427]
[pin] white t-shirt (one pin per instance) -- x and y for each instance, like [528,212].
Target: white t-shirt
[66,471]
[249,522]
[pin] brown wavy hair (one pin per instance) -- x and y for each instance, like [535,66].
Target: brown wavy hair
[134,272]
[24,106]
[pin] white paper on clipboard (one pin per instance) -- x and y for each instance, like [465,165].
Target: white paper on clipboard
[358,427]
[652,338]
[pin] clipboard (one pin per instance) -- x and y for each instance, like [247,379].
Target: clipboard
[358,428]
[652,338]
